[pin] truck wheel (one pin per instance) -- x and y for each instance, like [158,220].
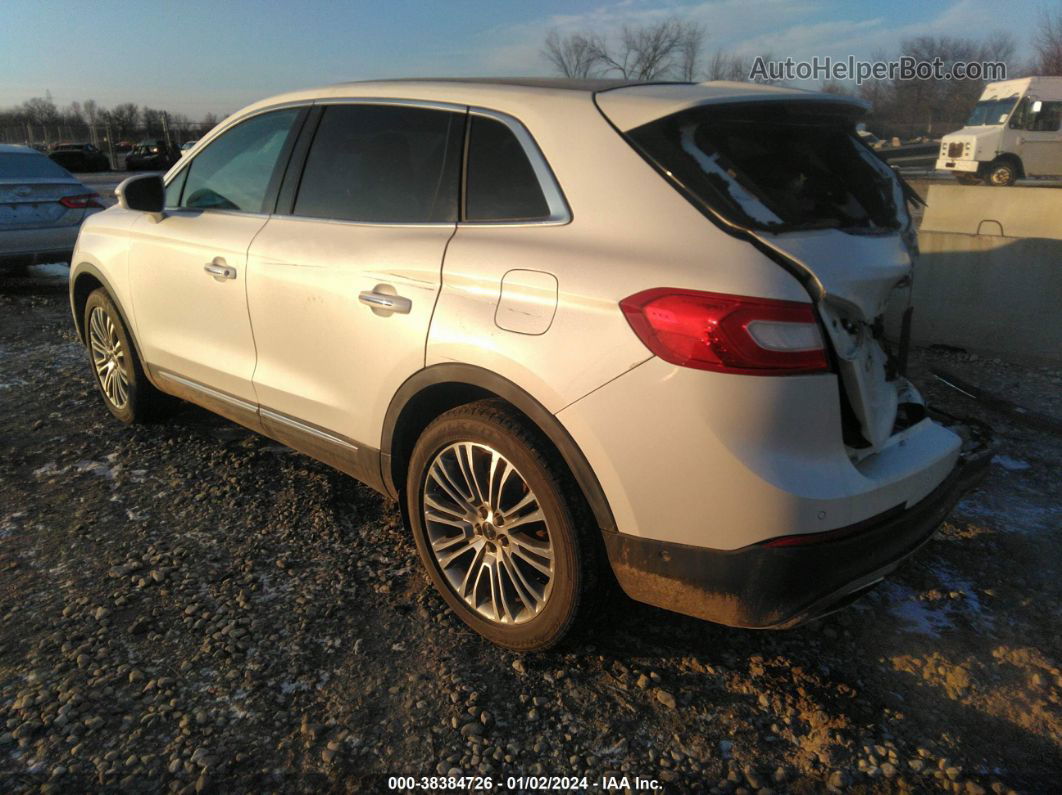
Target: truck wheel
[498,527]
[1001,172]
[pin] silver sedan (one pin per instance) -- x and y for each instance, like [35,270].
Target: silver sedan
[42,206]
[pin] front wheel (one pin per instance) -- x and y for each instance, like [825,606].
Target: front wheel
[1001,173]
[497,526]
[119,375]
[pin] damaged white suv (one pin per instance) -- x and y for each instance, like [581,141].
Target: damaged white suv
[569,325]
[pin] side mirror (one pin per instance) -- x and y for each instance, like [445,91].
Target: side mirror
[145,194]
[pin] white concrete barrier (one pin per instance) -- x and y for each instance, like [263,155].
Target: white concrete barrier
[983,210]
[981,286]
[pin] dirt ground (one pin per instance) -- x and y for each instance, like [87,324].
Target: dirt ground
[189,607]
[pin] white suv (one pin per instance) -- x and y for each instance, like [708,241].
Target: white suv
[568,325]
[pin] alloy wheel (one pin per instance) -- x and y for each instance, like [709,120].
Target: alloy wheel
[108,357]
[488,533]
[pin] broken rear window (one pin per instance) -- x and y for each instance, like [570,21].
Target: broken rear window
[777,166]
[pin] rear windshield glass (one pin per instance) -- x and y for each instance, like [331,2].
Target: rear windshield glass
[777,166]
[31,165]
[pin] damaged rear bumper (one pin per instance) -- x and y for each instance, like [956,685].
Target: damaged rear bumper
[775,585]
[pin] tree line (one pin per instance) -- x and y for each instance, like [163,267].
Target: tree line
[677,49]
[40,120]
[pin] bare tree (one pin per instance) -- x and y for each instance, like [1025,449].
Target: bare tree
[574,55]
[690,45]
[92,111]
[646,52]
[669,48]
[725,65]
[1048,43]
[123,118]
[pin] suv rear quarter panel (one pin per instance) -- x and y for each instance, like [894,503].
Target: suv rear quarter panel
[629,231]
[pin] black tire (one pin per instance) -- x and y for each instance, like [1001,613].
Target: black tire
[143,401]
[1001,173]
[493,424]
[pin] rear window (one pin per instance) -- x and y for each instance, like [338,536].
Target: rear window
[777,166]
[502,185]
[31,165]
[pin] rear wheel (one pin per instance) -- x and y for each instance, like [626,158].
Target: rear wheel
[497,526]
[119,375]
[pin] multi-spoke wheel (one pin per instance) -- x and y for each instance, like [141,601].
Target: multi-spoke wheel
[108,357]
[488,533]
[121,380]
[487,501]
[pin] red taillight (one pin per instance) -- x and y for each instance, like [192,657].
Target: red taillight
[82,201]
[728,333]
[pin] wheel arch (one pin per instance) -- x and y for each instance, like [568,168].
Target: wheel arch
[88,279]
[441,387]
[1012,158]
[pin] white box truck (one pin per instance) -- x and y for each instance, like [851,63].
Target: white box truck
[1014,131]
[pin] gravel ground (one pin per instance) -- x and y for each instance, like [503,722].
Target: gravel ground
[190,607]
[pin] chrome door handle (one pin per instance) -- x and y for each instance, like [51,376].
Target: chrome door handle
[220,272]
[388,303]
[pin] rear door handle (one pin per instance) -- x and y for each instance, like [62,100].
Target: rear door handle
[386,302]
[219,270]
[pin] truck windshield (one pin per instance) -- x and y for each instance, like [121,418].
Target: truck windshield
[990,112]
[776,166]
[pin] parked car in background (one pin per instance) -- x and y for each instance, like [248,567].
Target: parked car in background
[569,324]
[80,157]
[41,208]
[123,146]
[187,146]
[1014,131]
[151,155]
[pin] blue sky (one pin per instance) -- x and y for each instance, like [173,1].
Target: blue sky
[199,56]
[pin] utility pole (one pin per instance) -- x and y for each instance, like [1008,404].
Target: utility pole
[166,130]
[110,147]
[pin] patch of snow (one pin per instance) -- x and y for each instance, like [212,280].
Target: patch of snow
[291,687]
[1010,464]
[98,468]
[970,604]
[1012,513]
[53,271]
[916,615]
[932,616]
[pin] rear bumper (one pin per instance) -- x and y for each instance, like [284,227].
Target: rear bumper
[51,244]
[775,587]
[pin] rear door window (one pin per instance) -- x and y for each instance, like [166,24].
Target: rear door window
[383,164]
[239,169]
[777,166]
[501,183]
